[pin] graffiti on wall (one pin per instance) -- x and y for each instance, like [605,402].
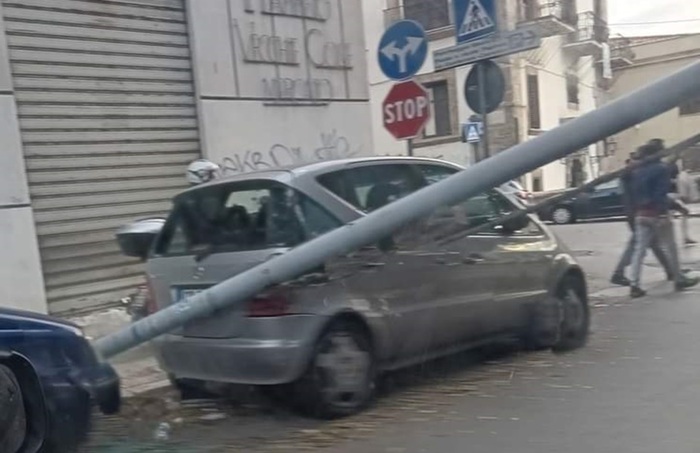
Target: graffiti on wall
[332,146]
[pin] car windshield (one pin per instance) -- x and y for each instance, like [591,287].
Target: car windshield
[250,215]
[608,185]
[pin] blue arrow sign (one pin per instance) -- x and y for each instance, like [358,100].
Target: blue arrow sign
[475,19]
[403,50]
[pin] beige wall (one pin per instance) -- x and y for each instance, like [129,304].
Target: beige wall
[653,61]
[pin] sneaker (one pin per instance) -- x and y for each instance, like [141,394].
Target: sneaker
[637,292]
[670,277]
[620,280]
[687,282]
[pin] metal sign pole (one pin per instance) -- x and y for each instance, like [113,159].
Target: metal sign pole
[608,120]
[409,144]
[481,77]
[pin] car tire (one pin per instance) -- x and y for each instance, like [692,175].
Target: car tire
[191,389]
[561,322]
[340,378]
[13,417]
[562,215]
[575,315]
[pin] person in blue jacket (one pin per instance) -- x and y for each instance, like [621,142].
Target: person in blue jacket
[651,184]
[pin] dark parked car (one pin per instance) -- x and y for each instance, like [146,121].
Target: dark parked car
[603,201]
[427,290]
[51,378]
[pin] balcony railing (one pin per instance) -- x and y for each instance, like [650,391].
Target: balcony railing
[553,17]
[432,15]
[590,33]
[621,53]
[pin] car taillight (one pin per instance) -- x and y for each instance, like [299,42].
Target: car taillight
[269,306]
[149,300]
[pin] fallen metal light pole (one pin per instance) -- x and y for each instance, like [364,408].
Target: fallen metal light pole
[619,115]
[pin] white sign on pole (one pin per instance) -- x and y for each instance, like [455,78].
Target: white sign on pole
[476,20]
[473,132]
[506,43]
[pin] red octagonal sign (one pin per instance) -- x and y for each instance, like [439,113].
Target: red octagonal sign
[406,109]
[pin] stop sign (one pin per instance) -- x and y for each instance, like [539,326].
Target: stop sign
[406,109]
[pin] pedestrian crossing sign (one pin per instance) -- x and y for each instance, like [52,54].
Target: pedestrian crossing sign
[472,132]
[474,19]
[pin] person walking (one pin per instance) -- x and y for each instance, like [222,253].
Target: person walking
[618,277]
[651,185]
[680,200]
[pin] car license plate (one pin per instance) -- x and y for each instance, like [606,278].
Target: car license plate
[180,294]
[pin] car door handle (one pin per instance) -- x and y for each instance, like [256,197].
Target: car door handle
[373,265]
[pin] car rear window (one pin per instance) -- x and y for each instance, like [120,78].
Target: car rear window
[242,216]
[371,187]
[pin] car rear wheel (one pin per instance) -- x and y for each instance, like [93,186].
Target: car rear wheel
[562,215]
[340,379]
[13,418]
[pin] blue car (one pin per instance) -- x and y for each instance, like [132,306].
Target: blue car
[60,380]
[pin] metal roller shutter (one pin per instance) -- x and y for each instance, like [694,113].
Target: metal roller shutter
[108,119]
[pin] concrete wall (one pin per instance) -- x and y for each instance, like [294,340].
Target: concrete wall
[655,60]
[21,279]
[276,88]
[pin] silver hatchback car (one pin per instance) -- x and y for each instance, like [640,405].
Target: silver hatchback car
[429,289]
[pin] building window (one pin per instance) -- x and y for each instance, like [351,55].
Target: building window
[440,123]
[691,107]
[533,101]
[431,14]
[537,183]
[572,84]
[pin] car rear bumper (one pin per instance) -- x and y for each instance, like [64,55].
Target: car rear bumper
[239,361]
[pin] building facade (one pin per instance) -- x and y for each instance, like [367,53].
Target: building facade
[105,103]
[657,57]
[562,79]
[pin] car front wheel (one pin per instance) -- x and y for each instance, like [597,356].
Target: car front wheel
[575,316]
[340,379]
[560,323]
[562,215]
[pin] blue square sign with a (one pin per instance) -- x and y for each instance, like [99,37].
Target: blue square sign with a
[472,132]
[475,19]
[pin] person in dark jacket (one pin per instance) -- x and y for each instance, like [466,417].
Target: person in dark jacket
[651,185]
[618,277]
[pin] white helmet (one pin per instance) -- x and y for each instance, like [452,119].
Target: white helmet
[201,171]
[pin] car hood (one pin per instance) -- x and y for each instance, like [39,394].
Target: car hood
[23,320]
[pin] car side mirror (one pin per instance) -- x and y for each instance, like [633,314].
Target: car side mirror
[137,238]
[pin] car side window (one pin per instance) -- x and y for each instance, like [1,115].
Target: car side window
[461,217]
[371,187]
[435,173]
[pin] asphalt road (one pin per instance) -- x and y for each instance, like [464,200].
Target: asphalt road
[634,388]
